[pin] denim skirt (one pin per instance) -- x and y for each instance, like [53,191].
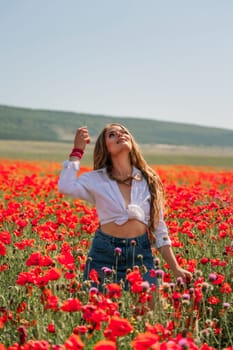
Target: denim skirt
[112,258]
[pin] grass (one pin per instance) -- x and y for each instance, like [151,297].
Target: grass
[154,154]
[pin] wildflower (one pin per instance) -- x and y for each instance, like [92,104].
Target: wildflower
[3,267]
[94,276]
[157,273]
[206,287]
[38,259]
[114,290]
[38,345]
[134,276]
[87,311]
[51,328]
[107,270]
[172,285]
[97,316]
[118,251]
[183,343]
[226,306]
[2,249]
[226,288]
[24,243]
[204,260]
[219,279]
[105,345]
[157,262]
[185,296]
[212,277]
[176,298]
[53,274]
[69,275]
[51,302]
[179,281]
[66,259]
[74,342]
[119,327]
[22,335]
[213,300]
[145,286]
[5,237]
[93,290]
[80,330]
[71,305]
[144,341]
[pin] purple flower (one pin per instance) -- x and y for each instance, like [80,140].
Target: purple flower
[191,290]
[212,277]
[186,296]
[179,280]
[93,290]
[118,251]
[159,273]
[106,270]
[172,285]
[183,343]
[145,285]
[226,305]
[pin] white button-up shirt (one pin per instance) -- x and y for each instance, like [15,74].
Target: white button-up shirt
[97,188]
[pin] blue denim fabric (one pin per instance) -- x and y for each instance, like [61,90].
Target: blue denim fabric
[102,254]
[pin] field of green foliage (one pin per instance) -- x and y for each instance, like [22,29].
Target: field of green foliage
[154,154]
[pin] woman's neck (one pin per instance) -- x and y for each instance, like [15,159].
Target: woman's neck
[121,168]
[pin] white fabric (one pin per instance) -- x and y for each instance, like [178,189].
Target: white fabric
[97,188]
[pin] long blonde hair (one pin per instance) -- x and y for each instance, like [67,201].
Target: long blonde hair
[102,159]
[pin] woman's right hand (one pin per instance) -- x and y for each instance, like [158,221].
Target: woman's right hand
[81,138]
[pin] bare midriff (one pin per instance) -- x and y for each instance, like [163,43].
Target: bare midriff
[130,229]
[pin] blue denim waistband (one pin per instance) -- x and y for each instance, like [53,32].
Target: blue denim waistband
[123,241]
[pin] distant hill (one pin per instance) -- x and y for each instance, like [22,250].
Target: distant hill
[45,125]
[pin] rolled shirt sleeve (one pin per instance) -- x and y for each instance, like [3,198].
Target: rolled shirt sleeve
[161,233]
[72,185]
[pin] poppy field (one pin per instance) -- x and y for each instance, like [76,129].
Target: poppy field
[44,239]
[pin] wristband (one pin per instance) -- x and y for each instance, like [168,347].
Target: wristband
[79,150]
[76,152]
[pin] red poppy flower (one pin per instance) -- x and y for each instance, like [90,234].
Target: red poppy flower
[74,342]
[71,305]
[144,341]
[226,288]
[134,276]
[5,237]
[114,290]
[2,249]
[93,275]
[51,328]
[212,300]
[53,274]
[119,326]
[39,259]
[105,345]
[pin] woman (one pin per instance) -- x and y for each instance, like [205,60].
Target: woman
[128,196]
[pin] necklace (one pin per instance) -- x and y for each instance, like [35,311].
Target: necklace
[128,180]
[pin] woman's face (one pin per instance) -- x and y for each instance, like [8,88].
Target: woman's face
[117,140]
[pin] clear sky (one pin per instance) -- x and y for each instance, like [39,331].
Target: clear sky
[170,60]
